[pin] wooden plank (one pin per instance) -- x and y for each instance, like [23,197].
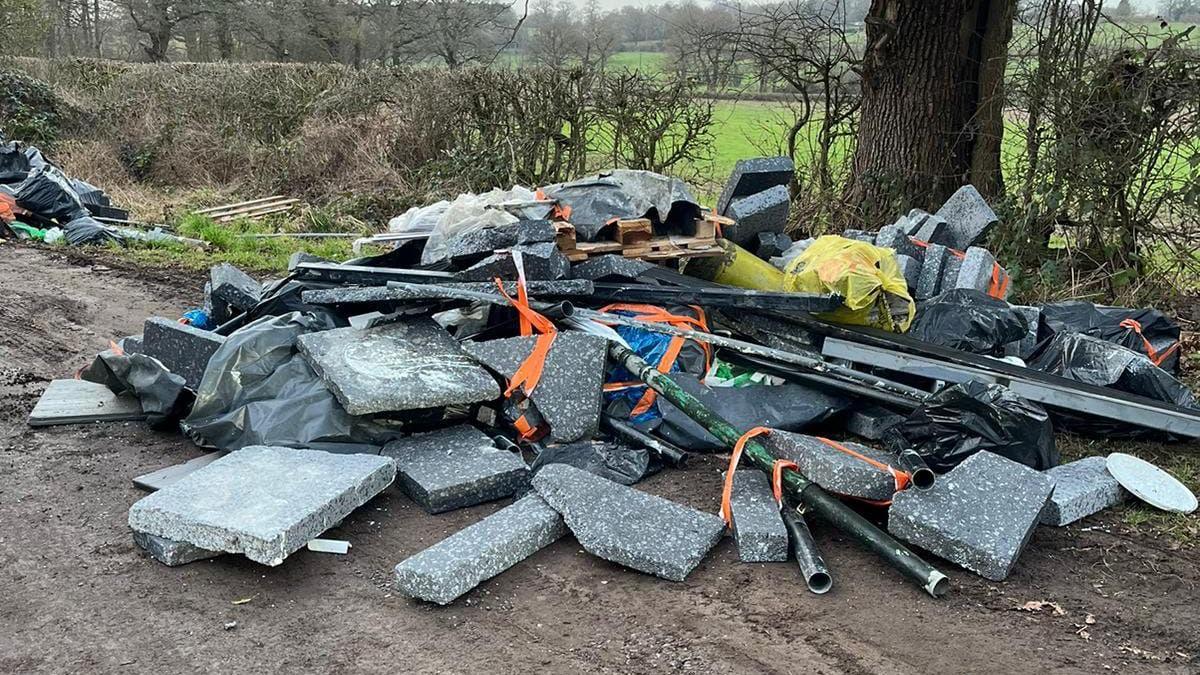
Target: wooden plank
[253,215]
[226,207]
[80,402]
[634,231]
[249,210]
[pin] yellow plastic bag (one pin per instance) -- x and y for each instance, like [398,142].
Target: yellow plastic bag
[867,277]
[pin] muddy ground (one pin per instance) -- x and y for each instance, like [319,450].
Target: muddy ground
[78,596]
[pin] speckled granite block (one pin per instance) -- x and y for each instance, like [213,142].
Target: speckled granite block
[384,296]
[131,344]
[445,571]
[1081,488]
[976,270]
[541,261]
[476,244]
[860,235]
[184,350]
[1025,346]
[950,272]
[896,238]
[629,527]
[834,470]
[931,228]
[765,211]
[454,468]
[405,365]
[912,222]
[968,219]
[872,423]
[910,269]
[263,502]
[609,266]
[929,283]
[751,176]
[568,396]
[170,552]
[233,289]
[980,515]
[757,526]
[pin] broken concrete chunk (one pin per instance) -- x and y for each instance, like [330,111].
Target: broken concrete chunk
[968,219]
[157,480]
[170,552]
[445,571]
[454,468]
[474,245]
[757,526]
[82,402]
[751,176]
[629,527]
[929,283]
[980,515]
[609,266]
[765,211]
[406,365]
[1081,488]
[184,350]
[837,471]
[541,261]
[873,422]
[263,502]
[568,396]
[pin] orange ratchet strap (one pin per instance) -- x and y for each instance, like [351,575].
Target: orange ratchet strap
[727,493]
[777,477]
[526,379]
[656,314]
[1156,357]
[902,478]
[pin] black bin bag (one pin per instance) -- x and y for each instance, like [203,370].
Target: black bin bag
[1091,360]
[966,418]
[970,320]
[1146,331]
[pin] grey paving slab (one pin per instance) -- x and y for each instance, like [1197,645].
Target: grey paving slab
[170,552]
[406,365]
[568,396]
[627,526]
[968,219]
[541,261]
[757,526]
[445,571]
[392,295]
[184,350]
[157,480]
[980,515]
[872,423]
[765,211]
[609,266]
[929,283]
[477,244]
[263,502]
[834,470]
[82,402]
[454,468]
[1081,488]
[751,176]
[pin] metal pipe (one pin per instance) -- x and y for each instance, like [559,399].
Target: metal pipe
[627,432]
[920,474]
[799,488]
[808,556]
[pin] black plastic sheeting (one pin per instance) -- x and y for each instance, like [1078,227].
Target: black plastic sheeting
[623,193]
[790,407]
[1089,359]
[48,192]
[14,164]
[1104,322]
[966,418]
[86,230]
[258,390]
[970,320]
[617,462]
[163,394]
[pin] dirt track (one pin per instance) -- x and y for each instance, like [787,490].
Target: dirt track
[79,596]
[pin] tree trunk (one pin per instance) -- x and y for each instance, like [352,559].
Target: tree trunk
[932,104]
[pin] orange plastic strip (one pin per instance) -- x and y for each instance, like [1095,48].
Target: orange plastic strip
[777,477]
[901,477]
[727,493]
[1156,357]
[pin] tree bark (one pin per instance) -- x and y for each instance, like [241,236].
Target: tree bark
[932,104]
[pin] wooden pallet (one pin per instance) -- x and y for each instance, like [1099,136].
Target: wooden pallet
[634,238]
[255,209]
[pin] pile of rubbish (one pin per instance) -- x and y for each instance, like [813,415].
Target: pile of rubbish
[40,201]
[557,346]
